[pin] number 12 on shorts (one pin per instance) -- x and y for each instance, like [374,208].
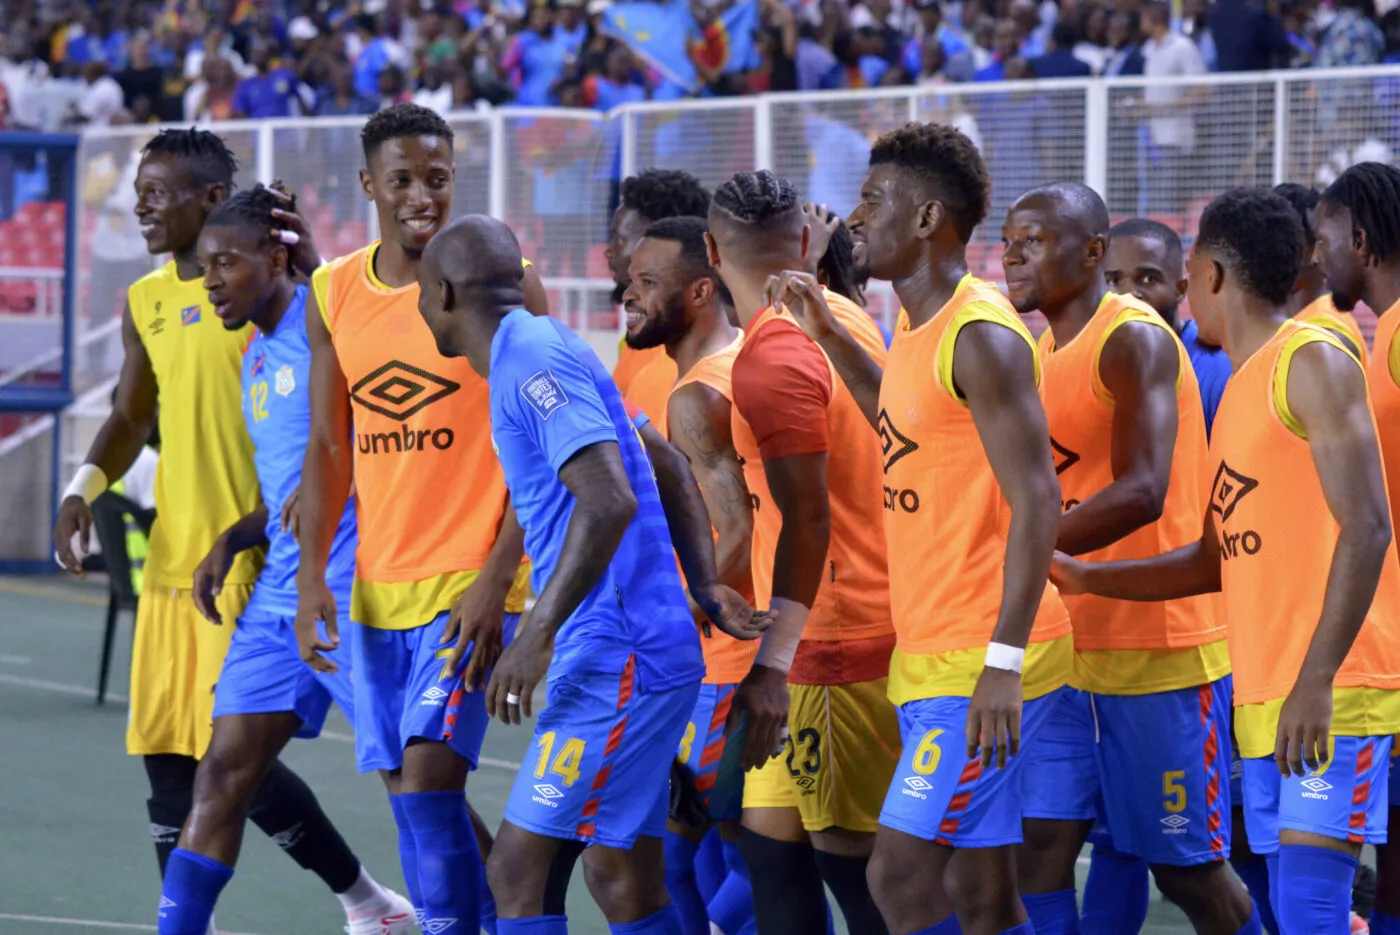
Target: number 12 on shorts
[566,764]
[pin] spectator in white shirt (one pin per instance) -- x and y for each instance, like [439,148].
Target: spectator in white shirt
[102,99]
[1171,127]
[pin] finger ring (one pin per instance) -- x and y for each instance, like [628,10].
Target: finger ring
[512,698]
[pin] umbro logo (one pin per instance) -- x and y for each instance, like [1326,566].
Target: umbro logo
[1175,821]
[289,838]
[398,390]
[918,783]
[548,791]
[435,926]
[1063,457]
[1315,784]
[165,903]
[435,694]
[893,445]
[1229,488]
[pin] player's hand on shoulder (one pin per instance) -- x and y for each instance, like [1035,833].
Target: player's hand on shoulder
[762,701]
[522,666]
[301,249]
[1067,574]
[802,295]
[1304,725]
[209,579]
[994,716]
[291,513]
[316,604]
[729,611]
[477,620]
[72,534]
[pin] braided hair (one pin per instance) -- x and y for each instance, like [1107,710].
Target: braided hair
[207,158]
[1370,191]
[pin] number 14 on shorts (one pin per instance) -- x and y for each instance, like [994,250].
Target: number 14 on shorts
[566,764]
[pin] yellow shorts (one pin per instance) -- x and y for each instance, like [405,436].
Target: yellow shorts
[841,755]
[176,661]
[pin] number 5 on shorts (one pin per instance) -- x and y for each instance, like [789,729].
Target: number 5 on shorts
[1173,789]
[928,754]
[565,764]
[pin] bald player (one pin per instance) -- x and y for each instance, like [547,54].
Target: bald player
[813,468]
[1146,738]
[1357,221]
[1310,296]
[610,626]
[648,196]
[972,506]
[1145,260]
[1298,540]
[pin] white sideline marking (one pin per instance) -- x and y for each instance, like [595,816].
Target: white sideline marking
[92,923]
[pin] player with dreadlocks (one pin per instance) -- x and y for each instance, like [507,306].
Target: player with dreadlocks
[182,369]
[1310,297]
[818,684]
[265,695]
[1358,245]
[650,196]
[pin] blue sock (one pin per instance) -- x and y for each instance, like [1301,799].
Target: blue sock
[537,925]
[1052,914]
[731,909]
[488,905]
[1314,889]
[1255,875]
[1384,924]
[1115,894]
[681,884]
[1253,926]
[191,888]
[1271,862]
[447,855]
[662,922]
[1025,928]
[408,855]
[948,926]
[710,869]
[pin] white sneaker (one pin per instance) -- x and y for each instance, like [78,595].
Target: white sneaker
[395,918]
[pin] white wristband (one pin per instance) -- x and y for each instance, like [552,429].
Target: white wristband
[89,483]
[779,643]
[1001,656]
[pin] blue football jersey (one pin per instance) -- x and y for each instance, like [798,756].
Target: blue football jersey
[550,398]
[277,411]
[1213,370]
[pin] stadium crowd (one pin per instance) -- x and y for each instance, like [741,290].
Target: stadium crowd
[68,63]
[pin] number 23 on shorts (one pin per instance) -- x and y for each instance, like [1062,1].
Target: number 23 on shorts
[566,764]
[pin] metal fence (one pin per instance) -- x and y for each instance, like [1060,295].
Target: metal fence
[1162,148]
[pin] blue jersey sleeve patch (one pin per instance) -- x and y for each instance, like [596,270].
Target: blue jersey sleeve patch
[544,393]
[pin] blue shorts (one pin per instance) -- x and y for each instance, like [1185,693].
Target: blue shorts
[1347,800]
[702,751]
[264,673]
[1154,767]
[403,690]
[600,766]
[937,794]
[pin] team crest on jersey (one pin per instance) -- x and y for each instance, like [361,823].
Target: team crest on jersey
[543,392]
[285,381]
[189,315]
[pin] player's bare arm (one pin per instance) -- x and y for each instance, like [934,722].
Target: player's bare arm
[478,616]
[1327,395]
[603,507]
[699,425]
[803,297]
[536,299]
[325,486]
[689,522]
[249,532]
[117,444]
[1140,366]
[994,370]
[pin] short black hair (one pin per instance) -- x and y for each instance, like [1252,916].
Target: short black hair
[946,160]
[1370,191]
[757,198]
[838,264]
[1065,34]
[402,121]
[687,231]
[1256,234]
[207,158]
[1304,200]
[657,194]
[1150,230]
[251,210]
[1158,11]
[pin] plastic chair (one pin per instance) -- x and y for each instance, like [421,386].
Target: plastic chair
[109,513]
